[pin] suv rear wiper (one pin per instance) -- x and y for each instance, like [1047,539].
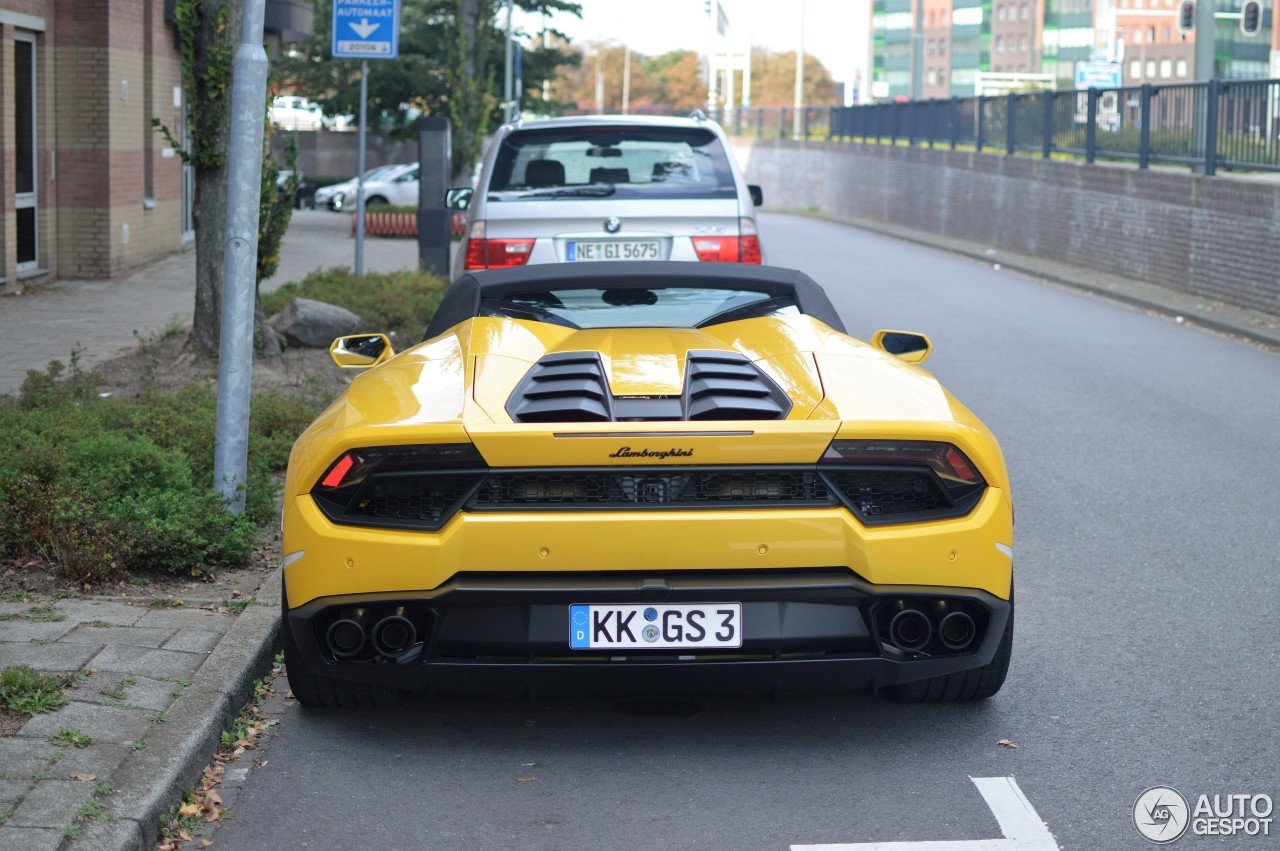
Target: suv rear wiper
[602,191]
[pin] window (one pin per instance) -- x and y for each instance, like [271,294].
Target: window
[1135,70]
[1137,36]
[24,151]
[1000,13]
[930,47]
[999,44]
[1167,34]
[1025,12]
[1151,69]
[1151,35]
[942,47]
[1166,68]
[618,162]
[932,77]
[1182,68]
[657,307]
[1022,44]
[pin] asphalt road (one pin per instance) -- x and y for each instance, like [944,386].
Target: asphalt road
[1145,459]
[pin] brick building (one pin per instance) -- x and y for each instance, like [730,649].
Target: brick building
[88,189]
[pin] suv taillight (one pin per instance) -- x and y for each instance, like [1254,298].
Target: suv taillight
[495,253]
[744,248]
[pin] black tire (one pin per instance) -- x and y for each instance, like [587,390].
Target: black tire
[977,684]
[315,691]
[376,201]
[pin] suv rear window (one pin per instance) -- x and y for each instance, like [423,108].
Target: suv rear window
[621,162]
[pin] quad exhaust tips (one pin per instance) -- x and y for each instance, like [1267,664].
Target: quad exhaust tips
[393,635]
[910,630]
[956,631]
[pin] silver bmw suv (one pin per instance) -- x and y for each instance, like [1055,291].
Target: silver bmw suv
[608,187]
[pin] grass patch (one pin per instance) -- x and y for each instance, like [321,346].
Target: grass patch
[103,487]
[99,624]
[31,692]
[137,744]
[235,607]
[92,809]
[72,738]
[399,302]
[46,614]
[158,718]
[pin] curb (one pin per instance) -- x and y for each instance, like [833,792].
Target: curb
[1012,262]
[152,780]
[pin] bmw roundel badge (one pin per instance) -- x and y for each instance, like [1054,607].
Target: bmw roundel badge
[613,224]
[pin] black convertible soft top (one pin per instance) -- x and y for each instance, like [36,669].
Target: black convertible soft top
[462,299]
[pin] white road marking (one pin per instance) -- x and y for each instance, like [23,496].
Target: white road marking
[1021,827]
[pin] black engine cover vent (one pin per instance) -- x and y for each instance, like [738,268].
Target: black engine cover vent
[727,386]
[568,387]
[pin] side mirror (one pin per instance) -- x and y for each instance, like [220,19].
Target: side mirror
[905,345]
[361,351]
[458,198]
[757,194]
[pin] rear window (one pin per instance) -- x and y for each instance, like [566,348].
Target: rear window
[659,307]
[622,162]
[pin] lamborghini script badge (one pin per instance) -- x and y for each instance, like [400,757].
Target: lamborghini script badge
[628,452]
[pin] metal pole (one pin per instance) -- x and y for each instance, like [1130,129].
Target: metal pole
[508,81]
[795,113]
[1206,32]
[364,119]
[626,79]
[240,260]
[917,52]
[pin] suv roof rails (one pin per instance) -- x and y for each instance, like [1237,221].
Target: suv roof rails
[698,115]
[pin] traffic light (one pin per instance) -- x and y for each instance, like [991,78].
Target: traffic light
[1250,17]
[1186,16]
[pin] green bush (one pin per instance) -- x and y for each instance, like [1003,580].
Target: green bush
[403,302]
[104,487]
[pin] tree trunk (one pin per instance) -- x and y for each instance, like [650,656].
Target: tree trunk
[463,132]
[214,45]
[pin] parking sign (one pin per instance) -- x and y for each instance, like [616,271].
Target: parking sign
[366,29]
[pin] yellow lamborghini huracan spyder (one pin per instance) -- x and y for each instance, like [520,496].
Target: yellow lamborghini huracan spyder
[647,477]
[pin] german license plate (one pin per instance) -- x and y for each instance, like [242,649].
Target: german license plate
[616,249]
[656,627]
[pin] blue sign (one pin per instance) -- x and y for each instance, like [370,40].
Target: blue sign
[366,29]
[1098,75]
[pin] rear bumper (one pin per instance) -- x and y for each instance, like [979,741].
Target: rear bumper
[821,630]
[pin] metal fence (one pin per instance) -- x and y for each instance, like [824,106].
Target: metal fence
[1231,124]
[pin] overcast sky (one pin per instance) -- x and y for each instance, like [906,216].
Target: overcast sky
[835,31]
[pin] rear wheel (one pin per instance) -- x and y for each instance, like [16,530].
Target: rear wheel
[977,684]
[314,690]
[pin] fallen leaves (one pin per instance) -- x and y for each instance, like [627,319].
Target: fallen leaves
[525,779]
[82,777]
[1007,743]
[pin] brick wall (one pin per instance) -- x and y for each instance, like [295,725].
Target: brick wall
[1213,236]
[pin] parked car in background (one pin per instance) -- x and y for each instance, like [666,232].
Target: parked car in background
[291,112]
[398,188]
[336,195]
[609,187]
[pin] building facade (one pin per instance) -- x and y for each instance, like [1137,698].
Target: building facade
[88,188]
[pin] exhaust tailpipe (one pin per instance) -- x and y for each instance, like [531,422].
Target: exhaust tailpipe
[345,638]
[393,635]
[956,631]
[910,630]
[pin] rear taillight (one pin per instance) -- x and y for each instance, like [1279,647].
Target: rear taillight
[901,481]
[418,487]
[716,249]
[744,248]
[748,242]
[485,253]
[943,458]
